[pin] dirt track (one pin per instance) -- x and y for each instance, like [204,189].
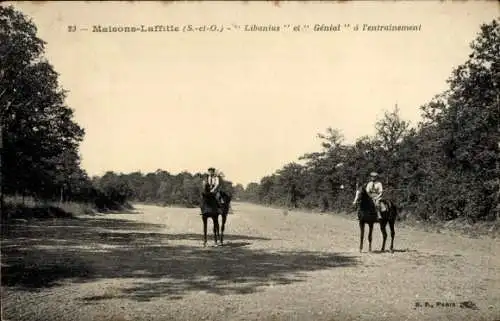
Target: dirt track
[300,266]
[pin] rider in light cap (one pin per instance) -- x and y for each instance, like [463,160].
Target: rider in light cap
[374,189]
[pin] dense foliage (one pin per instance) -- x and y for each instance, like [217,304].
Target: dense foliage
[40,139]
[444,168]
[159,187]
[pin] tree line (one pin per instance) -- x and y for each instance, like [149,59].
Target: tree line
[159,187]
[445,167]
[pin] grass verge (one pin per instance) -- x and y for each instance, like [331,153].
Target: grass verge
[16,207]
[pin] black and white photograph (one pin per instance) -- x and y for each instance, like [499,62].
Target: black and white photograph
[250,160]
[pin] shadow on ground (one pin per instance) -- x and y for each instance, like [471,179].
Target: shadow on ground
[40,254]
[12,212]
[37,212]
[393,251]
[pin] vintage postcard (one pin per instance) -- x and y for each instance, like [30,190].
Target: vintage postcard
[250,160]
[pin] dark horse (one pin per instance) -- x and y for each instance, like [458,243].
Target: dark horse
[210,208]
[367,215]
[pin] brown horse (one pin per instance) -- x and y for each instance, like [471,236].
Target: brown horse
[210,208]
[367,214]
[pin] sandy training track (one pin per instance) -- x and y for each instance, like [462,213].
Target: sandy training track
[151,266]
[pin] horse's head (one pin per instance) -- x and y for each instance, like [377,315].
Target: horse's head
[360,190]
[364,200]
[205,188]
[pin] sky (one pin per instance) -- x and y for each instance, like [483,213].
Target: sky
[245,102]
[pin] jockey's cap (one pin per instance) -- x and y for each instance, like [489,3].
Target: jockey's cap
[373,174]
[211,169]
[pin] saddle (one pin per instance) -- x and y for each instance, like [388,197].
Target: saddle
[383,206]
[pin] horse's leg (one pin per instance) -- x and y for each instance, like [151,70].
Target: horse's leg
[383,224]
[217,227]
[205,219]
[215,219]
[362,235]
[393,233]
[370,233]
[223,226]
